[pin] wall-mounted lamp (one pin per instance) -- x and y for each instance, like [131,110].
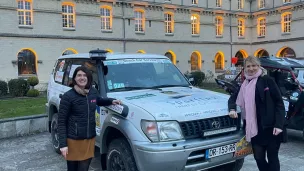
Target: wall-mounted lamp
[39,62]
[213,61]
[14,62]
[203,61]
[189,61]
[177,61]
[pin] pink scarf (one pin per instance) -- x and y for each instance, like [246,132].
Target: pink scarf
[246,100]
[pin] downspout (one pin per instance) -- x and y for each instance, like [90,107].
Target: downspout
[123,27]
[230,27]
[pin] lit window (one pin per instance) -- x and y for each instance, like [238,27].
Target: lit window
[261,3]
[286,1]
[106,18]
[194,2]
[241,27]
[219,61]
[139,21]
[195,24]
[240,4]
[261,27]
[219,26]
[25,12]
[27,62]
[68,16]
[169,23]
[194,60]
[218,3]
[286,22]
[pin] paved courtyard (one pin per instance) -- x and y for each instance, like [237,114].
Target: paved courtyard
[34,153]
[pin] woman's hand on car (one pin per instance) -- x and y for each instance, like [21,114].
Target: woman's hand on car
[233,114]
[64,151]
[116,102]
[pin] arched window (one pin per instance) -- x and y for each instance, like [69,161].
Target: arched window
[171,55]
[141,51]
[27,62]
[286,52]
[261,53]
[219,61]
[195,61]
[69,51]
[241,55]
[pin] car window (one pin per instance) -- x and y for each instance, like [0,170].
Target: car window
[90,64]
[59,71]
[142,73]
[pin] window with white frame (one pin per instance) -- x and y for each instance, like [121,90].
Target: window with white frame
[286,1]
[139,21]
[106,18]
[25,12]
[218,3]
[195,24]
[261,4]
[169,23]
[194,2]
[219,26]
[241,27]
[68,16]
[286,22]
[261,27]
[240,4]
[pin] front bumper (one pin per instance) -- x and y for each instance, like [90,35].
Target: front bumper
[182,155]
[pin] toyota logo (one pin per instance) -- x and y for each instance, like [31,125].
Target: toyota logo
[216,124]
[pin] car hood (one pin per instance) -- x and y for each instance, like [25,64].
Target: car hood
[178,103]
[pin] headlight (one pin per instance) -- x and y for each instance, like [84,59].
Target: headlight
[162,131]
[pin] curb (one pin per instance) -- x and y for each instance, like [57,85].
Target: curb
[22,126]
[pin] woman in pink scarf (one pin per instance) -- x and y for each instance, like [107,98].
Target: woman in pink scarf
[263,114]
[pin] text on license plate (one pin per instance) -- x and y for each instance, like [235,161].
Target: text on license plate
[219,151]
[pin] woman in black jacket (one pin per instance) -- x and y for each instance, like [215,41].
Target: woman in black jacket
[76,120]
[263,113]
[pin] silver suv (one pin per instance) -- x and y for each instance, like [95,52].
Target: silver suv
[164,124]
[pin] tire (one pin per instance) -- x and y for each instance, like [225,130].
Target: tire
[54,133]
[120,156]
[235,166]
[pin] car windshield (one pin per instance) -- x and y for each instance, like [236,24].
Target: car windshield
[134,74]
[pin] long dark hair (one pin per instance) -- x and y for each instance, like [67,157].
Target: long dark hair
[88,73]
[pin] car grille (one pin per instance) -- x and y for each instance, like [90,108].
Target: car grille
[194,129]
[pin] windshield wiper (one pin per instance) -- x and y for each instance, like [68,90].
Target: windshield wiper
[168,85]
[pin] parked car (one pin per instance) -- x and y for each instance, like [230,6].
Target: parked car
[164,124]
[285,72]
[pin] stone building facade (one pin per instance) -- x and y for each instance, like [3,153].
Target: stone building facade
[195,34]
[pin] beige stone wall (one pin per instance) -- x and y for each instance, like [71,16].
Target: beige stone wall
[48,39]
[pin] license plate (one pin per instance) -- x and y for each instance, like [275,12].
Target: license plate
[219,151]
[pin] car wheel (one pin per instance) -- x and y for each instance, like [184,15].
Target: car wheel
[235,166]
[54,133]
[120,157]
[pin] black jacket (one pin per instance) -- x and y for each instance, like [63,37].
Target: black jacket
[76,117]
[269,104]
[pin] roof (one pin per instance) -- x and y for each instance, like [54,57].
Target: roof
[282,63]
[117,56]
